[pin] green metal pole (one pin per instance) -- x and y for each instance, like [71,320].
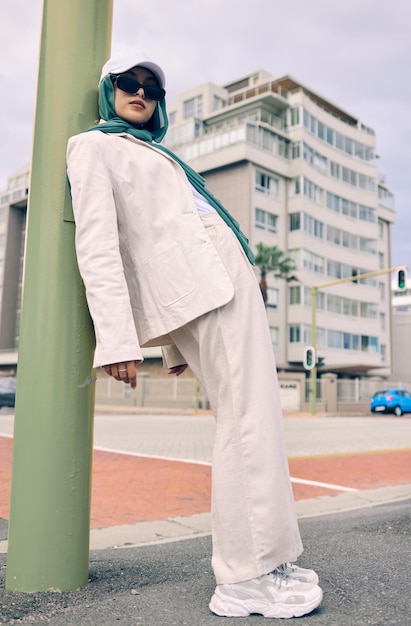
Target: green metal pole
[50,499]
[313,341]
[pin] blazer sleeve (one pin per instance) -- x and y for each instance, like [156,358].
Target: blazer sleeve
[98,252]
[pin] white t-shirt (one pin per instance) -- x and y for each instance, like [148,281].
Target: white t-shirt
[202,205]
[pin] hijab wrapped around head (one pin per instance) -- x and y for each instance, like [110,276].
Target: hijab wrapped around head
[155,130]
[110,122]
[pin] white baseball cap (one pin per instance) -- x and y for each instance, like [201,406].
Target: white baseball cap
[125,60]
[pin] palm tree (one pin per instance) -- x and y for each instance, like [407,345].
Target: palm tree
[272,259]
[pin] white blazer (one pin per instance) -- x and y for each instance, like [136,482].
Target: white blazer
[147,263]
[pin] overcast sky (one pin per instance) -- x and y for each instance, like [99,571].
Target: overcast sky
[356,53]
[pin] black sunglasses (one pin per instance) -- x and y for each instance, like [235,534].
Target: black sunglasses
[131,86]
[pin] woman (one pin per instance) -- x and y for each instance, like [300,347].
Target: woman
[165,264]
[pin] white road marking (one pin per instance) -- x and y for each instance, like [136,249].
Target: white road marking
[314,483]
[301,481]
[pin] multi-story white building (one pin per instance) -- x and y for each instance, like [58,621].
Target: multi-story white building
[401,334]
[13,205]
[300,173]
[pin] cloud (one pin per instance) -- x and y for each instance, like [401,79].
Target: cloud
[353,53]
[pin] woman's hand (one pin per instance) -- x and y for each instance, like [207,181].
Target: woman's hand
[126,372]
[178,369]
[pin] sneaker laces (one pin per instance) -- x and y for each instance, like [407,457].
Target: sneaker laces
[284,566]
[280,576]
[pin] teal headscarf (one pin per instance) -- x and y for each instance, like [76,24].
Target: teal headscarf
[158,127]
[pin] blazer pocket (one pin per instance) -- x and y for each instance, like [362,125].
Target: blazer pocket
[170,275]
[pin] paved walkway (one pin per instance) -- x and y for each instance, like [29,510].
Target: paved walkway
[156,468]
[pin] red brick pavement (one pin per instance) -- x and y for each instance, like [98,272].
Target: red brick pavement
[129,489]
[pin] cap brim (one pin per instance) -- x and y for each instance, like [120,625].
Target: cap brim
[114,66]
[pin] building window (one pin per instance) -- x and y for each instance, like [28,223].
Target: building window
[335,339]
[274,335]
[349,240]
[312,191]
[346,175]
[260,218]
[351,209]
[321,130]
[295,221]
[339,141]
[193,107]
[172,117]
[369,310]
[336,139]
[314,158]
[321,334]
[369,344]
[343,341]
[320,298]
[266,220]
[335,170]
[294,333]
[382,321]
[367,214]
[313,226]
[267,184]
[295,116]
[333,304]
[271,222]
[368,246]
[385,198]
[312,262]
[334,235]
[345,306]
[272,298]
[297,186]
[383,352]
[295,295]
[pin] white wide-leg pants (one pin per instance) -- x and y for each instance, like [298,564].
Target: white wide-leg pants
[254,523]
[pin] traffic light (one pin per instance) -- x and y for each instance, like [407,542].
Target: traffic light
[309,358]
[402,278]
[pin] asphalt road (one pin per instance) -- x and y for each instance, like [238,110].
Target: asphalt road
[362,558]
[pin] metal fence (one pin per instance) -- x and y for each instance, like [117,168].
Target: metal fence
[169,392]
[333,395]
[348,395]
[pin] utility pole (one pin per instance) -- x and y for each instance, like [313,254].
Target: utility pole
[402,274]
[51,473]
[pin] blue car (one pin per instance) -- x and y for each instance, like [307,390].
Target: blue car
[7,391]
[397,401]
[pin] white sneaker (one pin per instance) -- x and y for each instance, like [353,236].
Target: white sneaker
[299,573]
[271,595]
